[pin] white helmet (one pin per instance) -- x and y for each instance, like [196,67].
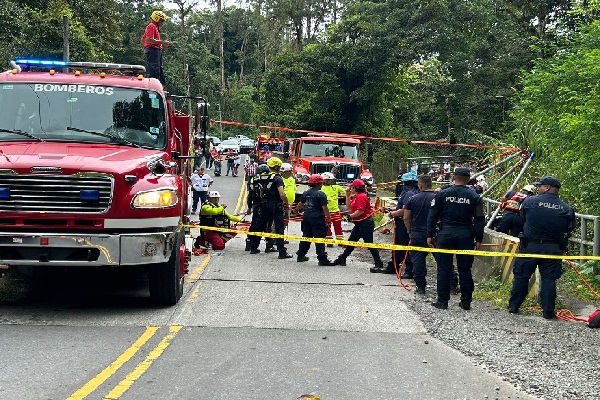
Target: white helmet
[285,167]
[213,194]
[328,176]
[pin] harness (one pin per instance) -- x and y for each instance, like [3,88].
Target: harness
[514,203]
[218,220]
[262,187]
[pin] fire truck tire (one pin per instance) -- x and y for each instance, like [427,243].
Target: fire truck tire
[166,280]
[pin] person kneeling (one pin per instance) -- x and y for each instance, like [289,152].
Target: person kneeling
[214,214]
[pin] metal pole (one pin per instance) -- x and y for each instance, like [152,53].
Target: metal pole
[510,157]
[583,237]
[596,248]
[514,184]
[66,54]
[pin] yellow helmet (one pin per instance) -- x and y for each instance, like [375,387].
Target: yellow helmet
[158,16]
[274,162]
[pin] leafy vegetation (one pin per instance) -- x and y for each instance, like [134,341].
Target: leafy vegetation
[520,73]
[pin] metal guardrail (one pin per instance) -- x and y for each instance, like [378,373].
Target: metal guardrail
[581,226]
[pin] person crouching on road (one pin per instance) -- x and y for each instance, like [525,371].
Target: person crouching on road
[548,221]
[460,213]
[333,191]
[361,214]
[214,214]
[314,204]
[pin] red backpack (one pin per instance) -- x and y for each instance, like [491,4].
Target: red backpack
[594,319]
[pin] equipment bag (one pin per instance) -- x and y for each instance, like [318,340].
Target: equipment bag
[594,319]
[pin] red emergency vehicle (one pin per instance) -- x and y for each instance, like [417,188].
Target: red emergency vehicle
[93,172]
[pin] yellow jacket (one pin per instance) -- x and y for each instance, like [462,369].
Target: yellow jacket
[289,188]
[209,209]
[333,192]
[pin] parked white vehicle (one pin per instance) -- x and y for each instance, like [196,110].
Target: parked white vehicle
[229,144]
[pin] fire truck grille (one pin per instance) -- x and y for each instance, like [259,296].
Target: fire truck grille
[346,173]
[55,193]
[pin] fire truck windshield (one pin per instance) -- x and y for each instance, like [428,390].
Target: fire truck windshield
[321,149]
[82,113]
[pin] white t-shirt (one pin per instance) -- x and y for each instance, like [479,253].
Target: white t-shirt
[201,183]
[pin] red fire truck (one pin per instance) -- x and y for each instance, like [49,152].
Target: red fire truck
[315,154]
[267,146]
[93,172]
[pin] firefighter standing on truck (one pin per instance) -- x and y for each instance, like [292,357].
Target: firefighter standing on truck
[153,46]
[512,221]
[460,213]
[214,214]
[548,221]
[267,201]
[314,203]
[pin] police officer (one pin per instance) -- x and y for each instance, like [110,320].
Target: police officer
[267,201]
[512,220]
[416,211]
[316,212]
[409,189]
[548,221]
[460,213]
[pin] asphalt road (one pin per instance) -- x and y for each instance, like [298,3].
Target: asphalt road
[248,326]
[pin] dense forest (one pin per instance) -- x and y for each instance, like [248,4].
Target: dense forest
[523,73]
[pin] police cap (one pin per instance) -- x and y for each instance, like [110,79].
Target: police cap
[462,171]
[548,180]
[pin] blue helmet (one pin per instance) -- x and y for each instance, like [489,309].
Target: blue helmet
[409,177]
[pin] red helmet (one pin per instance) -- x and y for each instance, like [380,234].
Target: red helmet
[314,179]
[357,183]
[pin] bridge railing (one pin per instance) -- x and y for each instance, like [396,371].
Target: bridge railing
[583,237]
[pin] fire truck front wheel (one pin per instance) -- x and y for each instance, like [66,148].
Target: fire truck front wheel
[165,279]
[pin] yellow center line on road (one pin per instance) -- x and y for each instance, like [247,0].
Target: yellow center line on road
[142,367]
[194,275]
[242,195]
[99,379]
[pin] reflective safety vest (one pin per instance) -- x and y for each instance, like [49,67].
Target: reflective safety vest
[514,203]
[218,220]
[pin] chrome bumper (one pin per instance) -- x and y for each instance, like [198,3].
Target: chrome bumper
[27,249]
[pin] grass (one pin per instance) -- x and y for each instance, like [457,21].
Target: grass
[569,286]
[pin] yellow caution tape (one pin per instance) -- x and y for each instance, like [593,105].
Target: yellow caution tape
[390,246]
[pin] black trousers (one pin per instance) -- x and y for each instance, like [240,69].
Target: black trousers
[455,238]
[362,230]
[313,228]
[550,271]
[263,215]
[419,258]
[401,238]
[154,63]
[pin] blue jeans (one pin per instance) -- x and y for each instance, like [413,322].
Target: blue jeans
[154,63]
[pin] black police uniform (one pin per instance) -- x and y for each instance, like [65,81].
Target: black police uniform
[547,221]
[460,213]
[267,208]
[313,224]
[419,206]
[401,236]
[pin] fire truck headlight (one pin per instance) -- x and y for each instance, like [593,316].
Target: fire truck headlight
[160,198]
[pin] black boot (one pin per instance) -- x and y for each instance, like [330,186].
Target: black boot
[247,248]
[326,263]
[340,261]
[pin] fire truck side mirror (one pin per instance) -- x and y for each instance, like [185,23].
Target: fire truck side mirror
[175,155]
[286,156]
[286,148]
[370,152]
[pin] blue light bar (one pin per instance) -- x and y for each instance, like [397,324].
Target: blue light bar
[89,195]
[4,193]
[45,63]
